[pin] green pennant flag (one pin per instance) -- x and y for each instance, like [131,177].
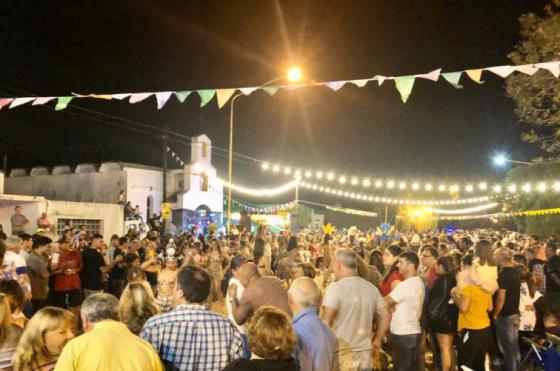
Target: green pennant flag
[62,103]
[404,86]
[453,78]
[206,96]
[182,95]
[270,89]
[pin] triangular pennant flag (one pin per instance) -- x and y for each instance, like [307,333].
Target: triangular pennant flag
[162,98]
[475,75]
[182,95]
[205,96]
[553,67]
[5,102]
[62,103]
[502,71]
[335,85]
[527,69]
[359,83]
[270,89]
[453,78]
[121,96]
[404,86]
[42,100]
[223,96]
[247,91]
[19,101]
[138,97]
[380,79]
[101,96]
[434,75]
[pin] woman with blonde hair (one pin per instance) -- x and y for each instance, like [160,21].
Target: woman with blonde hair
[43,339]
[9,333]
[137,305]
[272,341]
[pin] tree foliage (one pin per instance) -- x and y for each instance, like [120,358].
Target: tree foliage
[537,97]
[547,172]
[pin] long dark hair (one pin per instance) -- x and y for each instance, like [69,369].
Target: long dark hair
[395,251]
[376,259]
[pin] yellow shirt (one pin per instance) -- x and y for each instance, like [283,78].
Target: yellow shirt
[108,346]
[476,317]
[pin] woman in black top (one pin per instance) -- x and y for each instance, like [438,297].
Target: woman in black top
[272,340]
[442,314]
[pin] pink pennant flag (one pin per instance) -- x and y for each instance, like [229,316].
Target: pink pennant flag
[42,100]
[380,79]
[475,75]
[162,98]
[527,69]
[5,102]
[434,75]
[359,83]
[223,96]
[335,85]
[247,91]
[121,96]
[138,97]
[502,71]
[553,67]
[19,101]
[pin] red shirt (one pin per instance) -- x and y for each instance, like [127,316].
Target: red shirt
[66,282]
[385,287]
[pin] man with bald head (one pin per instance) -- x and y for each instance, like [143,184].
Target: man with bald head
[259,291]
[506,309]
[316,342]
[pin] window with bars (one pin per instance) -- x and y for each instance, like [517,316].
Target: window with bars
[93,226]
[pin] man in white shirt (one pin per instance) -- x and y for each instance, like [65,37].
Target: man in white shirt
[349,308]
[17,262]
[406,299]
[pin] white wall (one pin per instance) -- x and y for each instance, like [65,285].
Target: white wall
[111,215]
[141,183]
[32,210]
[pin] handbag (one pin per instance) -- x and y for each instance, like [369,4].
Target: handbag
[438,310]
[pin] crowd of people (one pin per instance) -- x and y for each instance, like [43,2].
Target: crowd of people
[348,300]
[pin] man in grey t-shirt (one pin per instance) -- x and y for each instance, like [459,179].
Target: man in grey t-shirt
[19,221]
[349,308]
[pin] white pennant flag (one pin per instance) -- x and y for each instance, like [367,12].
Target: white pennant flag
[247,91]
[121,96]
[138,97]
[380,79]
[19,101]
[502,71]
[336,85]
[162,98]
[527,69]
[434,75]
[42,100]
[553,67]
[359,83]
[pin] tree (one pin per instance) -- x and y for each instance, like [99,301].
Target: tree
[537,97]
[547,172]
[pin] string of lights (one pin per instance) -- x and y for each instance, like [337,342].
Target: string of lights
[469,210]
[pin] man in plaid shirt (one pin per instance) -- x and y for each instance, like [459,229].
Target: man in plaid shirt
[190,337]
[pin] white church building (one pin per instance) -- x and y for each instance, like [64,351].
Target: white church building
[195,192]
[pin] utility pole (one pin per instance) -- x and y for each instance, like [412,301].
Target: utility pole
[164,197]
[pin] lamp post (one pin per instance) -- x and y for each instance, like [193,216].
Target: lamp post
[500,160]
[293,75]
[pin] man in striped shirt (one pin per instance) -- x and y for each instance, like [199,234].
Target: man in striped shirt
[190,337]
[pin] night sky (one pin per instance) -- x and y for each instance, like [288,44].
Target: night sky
[59,47]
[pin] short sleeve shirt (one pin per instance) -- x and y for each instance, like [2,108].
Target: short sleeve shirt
[37,269]
[91,275]
[409,296]
[476,317]
[509,279]
[356,301]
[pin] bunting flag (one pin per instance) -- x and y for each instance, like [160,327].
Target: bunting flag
[62,103]
[475,75]
[223,96]
[453,78]
[19,101]
[205,96]
[404,85]
[182,95]
[162,98]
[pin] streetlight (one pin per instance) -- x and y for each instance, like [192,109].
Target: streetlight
[500,159]
[293,74]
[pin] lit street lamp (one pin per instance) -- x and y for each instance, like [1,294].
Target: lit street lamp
[500,160]
[293,74]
